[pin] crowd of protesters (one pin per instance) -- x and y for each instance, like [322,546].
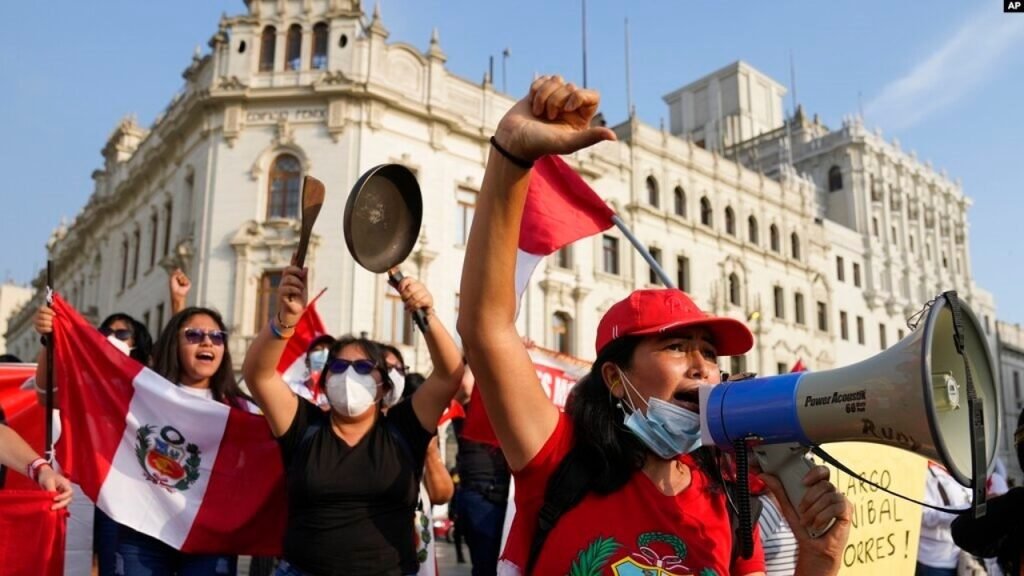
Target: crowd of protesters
[357,432]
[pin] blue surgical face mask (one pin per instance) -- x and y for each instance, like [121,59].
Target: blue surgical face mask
[317,360]
[668,430]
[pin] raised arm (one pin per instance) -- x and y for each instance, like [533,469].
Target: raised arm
[259,369]
[431,399]
[554,118]
[178,285]
[17,454]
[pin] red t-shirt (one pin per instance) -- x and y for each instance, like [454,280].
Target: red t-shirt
[635,531]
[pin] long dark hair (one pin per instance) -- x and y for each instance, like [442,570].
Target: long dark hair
[143,349]
[374,353]
[602,442]
[223,385]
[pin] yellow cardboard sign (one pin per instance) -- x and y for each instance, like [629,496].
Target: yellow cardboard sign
[885,529]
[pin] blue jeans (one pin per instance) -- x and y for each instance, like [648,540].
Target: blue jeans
[286,569]
[923,570]
[104,542]
[481,521]
[142,555]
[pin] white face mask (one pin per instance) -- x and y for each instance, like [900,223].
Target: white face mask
[351,393]
[668,430]
[120,344]
[397,387]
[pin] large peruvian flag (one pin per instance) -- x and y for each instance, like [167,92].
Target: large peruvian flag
[191,472]
[560,209]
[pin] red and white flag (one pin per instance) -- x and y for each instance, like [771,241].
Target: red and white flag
[292,366]
[560,209]
[799,366]
[189,471]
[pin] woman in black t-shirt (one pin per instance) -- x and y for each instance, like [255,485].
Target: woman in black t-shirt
[352,473]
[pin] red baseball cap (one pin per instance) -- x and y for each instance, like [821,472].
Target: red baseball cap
[654,311]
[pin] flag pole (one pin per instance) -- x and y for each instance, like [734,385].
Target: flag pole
[48,454]
[643,251]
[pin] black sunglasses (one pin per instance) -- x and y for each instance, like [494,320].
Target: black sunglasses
[123,334]
[197,335]
[398,367]
[337,366]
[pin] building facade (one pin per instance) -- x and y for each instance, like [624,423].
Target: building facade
[12,297]
[734,201]
[1011,370]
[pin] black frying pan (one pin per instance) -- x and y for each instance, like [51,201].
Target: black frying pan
[382,222]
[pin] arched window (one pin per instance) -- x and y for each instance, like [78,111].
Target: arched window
[734,289]
[730,221]
[679,201]
[773,234]
[705,211]
[285,187]
[752,233]
[652,192]
[293,48]
[835,179]
[794,240]
[561,332]
[268,42]
[320,46]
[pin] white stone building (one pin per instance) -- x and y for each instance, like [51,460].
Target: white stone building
[1011,366]
[296,87]
[12,297]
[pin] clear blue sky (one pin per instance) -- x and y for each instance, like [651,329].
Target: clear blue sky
[945,77]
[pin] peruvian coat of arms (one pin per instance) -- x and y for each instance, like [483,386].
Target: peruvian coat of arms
[166,459]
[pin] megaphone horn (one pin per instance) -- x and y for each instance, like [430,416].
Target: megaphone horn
[912,396]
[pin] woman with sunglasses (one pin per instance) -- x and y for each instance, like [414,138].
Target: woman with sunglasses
[352,473]
[132,338]
[192,352]
[646,496]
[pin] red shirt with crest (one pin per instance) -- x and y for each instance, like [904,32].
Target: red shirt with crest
[637,530]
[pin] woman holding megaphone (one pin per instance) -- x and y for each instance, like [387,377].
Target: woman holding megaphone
[353,473]
[618,483]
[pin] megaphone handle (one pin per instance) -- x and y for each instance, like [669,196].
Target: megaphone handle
[789,463]
[418,316]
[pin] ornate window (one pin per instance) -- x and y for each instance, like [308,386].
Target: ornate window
[752,233]
[835,179]
[610,254]
[266,303]
[730,221]
[561,332]
[794,247]
[798,308]
[652,192]
[285,187]
[706,214]
[773,234]
[652,276]
[293,48]
[734,289]
[679,201]
[683,273]
[320,46]
[268,43]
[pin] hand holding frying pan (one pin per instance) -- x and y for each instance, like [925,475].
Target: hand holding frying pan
[382,222]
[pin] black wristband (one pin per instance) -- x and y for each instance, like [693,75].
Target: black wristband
[524,164]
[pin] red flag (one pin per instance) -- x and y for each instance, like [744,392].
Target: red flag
[292,365]
[31,535]
[799,366]
[194,473]
[560,209]
[23,413]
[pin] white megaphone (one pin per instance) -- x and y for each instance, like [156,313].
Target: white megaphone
[913,396]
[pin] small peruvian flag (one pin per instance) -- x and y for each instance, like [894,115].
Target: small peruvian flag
[196,474]
[292,366]
[799,366]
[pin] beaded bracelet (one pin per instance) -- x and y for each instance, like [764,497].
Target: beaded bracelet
[522,163]
[32,470]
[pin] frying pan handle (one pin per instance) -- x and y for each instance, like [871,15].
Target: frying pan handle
[418,316]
